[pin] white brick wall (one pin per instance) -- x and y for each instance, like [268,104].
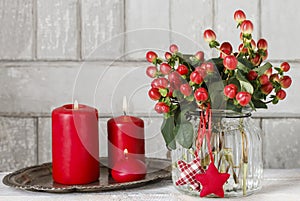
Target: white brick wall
[54,51]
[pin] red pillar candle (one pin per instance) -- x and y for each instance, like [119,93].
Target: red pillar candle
[125,132]
[75,144]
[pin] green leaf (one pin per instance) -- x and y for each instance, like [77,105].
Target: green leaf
[190,98]
[185,134]
[216,94]
[259,104]
[167,130]
[233,107]
[242,67]
[258,95]
[245,84]
[246,62]
[163,92]
[177,94]
[261,70]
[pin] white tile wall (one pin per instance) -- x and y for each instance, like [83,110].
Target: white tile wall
[147,27]
[102,29]
[280,28]
[281,143]
[18,143]
[16,32]
[57,29]
[188,22]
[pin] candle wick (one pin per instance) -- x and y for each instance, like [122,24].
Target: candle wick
[75,105]
[124,112]
[125,106]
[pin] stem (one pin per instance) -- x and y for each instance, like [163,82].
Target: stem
[244,155]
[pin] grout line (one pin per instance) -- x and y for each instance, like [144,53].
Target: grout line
[170,22]
[79,32]
[35,27]
[37,139]
[213,14]
[259,19]
[124,30]
[5,61]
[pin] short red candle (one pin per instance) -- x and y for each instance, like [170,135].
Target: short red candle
[128,169]
[125,132]
[75,145]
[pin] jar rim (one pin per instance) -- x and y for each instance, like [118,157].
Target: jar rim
[225,113]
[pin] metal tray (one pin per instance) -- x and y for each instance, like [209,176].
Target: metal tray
[39,178]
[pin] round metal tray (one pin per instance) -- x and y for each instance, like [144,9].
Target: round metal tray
[39,178]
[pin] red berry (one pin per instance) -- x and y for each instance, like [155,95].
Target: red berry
[239,16]
[224,53]
[274,78]
[226,49]
[174,79]
[202,70]
[209,35]
[209,67]
[285,66]
[253,44]
[151,56]
[285,81]
[182,69]
[252,75]
[247,27]
[186,89]
[281,94]
[151,71]
[173,48]
[263,79]
[243,98]
[262,44]
[230,62]
[226,46]
[241,36]
[200,55]
[165,108]
[161,107]
[201,94]
[267,88]
[268,72]
[230,90]
[154,94]
[165,68]
[168,55]
[196,77]
[256,60]
[242,49]
[160,83]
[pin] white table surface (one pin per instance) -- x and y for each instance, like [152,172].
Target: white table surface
[281,185]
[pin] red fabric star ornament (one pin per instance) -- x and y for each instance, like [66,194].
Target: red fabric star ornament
[188,172]
[212,181]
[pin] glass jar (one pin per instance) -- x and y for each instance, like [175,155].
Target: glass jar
[236,145]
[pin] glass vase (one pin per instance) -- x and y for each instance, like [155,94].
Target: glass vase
[236,145]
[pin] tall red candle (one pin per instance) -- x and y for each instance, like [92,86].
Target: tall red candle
[75,144]
[125,132]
